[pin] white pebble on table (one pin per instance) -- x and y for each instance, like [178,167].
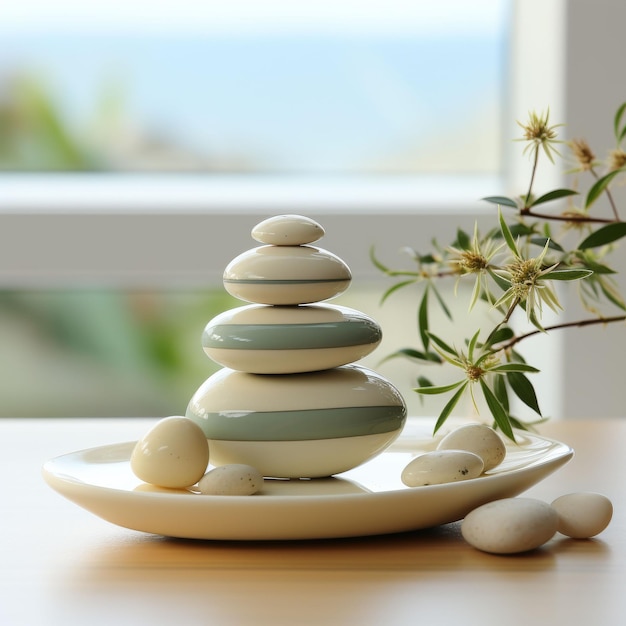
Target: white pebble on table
[510,525]
[583,515]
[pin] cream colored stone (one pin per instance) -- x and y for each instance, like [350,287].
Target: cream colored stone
[479,439]
[583,515]
[510,525]
[287,230]
[174,453]
[441,466]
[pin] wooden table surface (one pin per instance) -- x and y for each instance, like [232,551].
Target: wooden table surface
[60,564]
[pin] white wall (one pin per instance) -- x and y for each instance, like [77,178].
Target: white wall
[593,359]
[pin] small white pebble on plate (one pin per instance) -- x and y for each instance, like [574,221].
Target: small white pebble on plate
[510,525]
[583,515]
[479,439]
[174,453]
[234,479]
[441,466]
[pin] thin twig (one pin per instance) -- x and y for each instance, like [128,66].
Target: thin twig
[583,219]
[526,208]
[580,323]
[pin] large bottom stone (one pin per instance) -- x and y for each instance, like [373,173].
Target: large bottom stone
[300,425]
[315,458]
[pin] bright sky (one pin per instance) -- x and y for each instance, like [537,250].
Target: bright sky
[203,15]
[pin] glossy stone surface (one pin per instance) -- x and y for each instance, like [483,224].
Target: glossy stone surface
[287,230]
[172,454]
[351,405]
[442,466]
[479,439]
[289,339]
[286,275]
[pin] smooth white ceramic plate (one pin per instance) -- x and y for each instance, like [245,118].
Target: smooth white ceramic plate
[367,500]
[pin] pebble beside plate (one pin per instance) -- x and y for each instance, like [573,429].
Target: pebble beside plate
[367,500]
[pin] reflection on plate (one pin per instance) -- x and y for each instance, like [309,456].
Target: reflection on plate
[367,500]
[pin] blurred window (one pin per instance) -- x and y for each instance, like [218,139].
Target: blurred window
[240,107]
[319,87]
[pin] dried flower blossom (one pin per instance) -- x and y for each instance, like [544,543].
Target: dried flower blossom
[539,133]
[617,159]
[583,154]
[475,260]
[526,285]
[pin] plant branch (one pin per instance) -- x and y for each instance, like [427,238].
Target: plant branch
[609,195]
[526,208]
[580,323]
[582,219]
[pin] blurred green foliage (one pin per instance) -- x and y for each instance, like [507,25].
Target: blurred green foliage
[34,133]
[90,352]
[103,353]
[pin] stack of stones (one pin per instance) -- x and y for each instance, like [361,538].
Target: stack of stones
[289,401]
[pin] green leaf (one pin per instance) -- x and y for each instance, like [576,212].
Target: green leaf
[503,200]
[395,288]
[426,258]
[416,355]
[422,381]
[441,301]
[594,266]
[521,230]
[422,319]
[534,320]
[599,186]
[503,283]
[376,262]
[554,195]
[499,335]
[499,388]
[508,237]
[542,241]
[605,234]
[442,344]
[433,391]
[445,413]
[617,121]
[472,345]
[514,367]
[567,274]
[499,413]
[463,240]
[612,295]
[524,390]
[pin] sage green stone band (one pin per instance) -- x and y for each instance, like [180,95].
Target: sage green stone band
[291,336]
[299,425]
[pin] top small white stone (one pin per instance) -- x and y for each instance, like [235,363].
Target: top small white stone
[287,230]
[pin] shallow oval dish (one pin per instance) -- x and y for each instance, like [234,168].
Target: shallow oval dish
[298,425]
[367,500]
[265,339]
[286,275]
